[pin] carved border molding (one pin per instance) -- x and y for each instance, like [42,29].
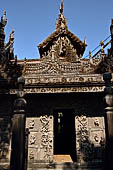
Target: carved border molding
[63,79]
[61,90]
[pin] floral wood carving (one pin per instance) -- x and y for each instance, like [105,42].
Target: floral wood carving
[46,141]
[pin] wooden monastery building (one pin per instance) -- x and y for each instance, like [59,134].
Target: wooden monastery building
[65,117]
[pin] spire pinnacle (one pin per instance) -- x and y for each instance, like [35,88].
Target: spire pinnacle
[61,7]
[3,19]
[61,22]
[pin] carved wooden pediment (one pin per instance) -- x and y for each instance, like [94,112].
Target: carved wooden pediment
[67,46]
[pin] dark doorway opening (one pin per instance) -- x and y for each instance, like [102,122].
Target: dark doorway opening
[64,133]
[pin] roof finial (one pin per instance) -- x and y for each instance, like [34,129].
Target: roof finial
[3,19]
[61,7]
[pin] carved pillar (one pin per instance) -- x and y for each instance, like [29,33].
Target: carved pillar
[18,130]
[108,121]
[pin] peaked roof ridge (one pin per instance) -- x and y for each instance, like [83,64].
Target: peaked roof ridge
[56,33]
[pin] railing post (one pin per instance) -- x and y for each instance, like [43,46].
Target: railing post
[18,130]
[108,121]
[111,30]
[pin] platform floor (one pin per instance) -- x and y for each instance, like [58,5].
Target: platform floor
[62,158]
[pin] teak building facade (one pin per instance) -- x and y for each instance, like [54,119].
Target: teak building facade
[64,94]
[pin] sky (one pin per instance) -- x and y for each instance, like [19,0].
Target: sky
[34,20]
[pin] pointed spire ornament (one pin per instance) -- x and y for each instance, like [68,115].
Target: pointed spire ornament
[3,19]
[3,23]
[61,7]
[4,16]
[61,22]
[102,46]
[85,40]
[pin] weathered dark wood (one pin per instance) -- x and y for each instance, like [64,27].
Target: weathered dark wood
[26,147]
[108,122]
[18,142]
[18,130]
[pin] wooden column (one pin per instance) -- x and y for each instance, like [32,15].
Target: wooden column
[108,121]
[18,130]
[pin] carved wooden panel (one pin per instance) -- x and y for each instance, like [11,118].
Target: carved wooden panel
[40,141]
[90,138]
[5,139]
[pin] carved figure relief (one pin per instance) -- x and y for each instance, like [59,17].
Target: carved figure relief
[5,139]
[40,138]
[32,139]
[31,124]
[63,50]
[90,135]
[62,47]
[96,122]
[31,155]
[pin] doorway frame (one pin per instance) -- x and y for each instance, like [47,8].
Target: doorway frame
[72,111]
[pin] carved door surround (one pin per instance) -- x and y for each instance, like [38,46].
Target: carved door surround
[64,132]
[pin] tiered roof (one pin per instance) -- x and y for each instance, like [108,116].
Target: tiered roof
[60,68]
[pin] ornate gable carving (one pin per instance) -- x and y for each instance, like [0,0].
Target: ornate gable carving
[63,49]
[68,46]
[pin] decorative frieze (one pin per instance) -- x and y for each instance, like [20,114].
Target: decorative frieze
[61,90]
[56,67]
[53,63]
[73,78]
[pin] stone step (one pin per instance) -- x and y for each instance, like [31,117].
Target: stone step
[58,166]
[65,166]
